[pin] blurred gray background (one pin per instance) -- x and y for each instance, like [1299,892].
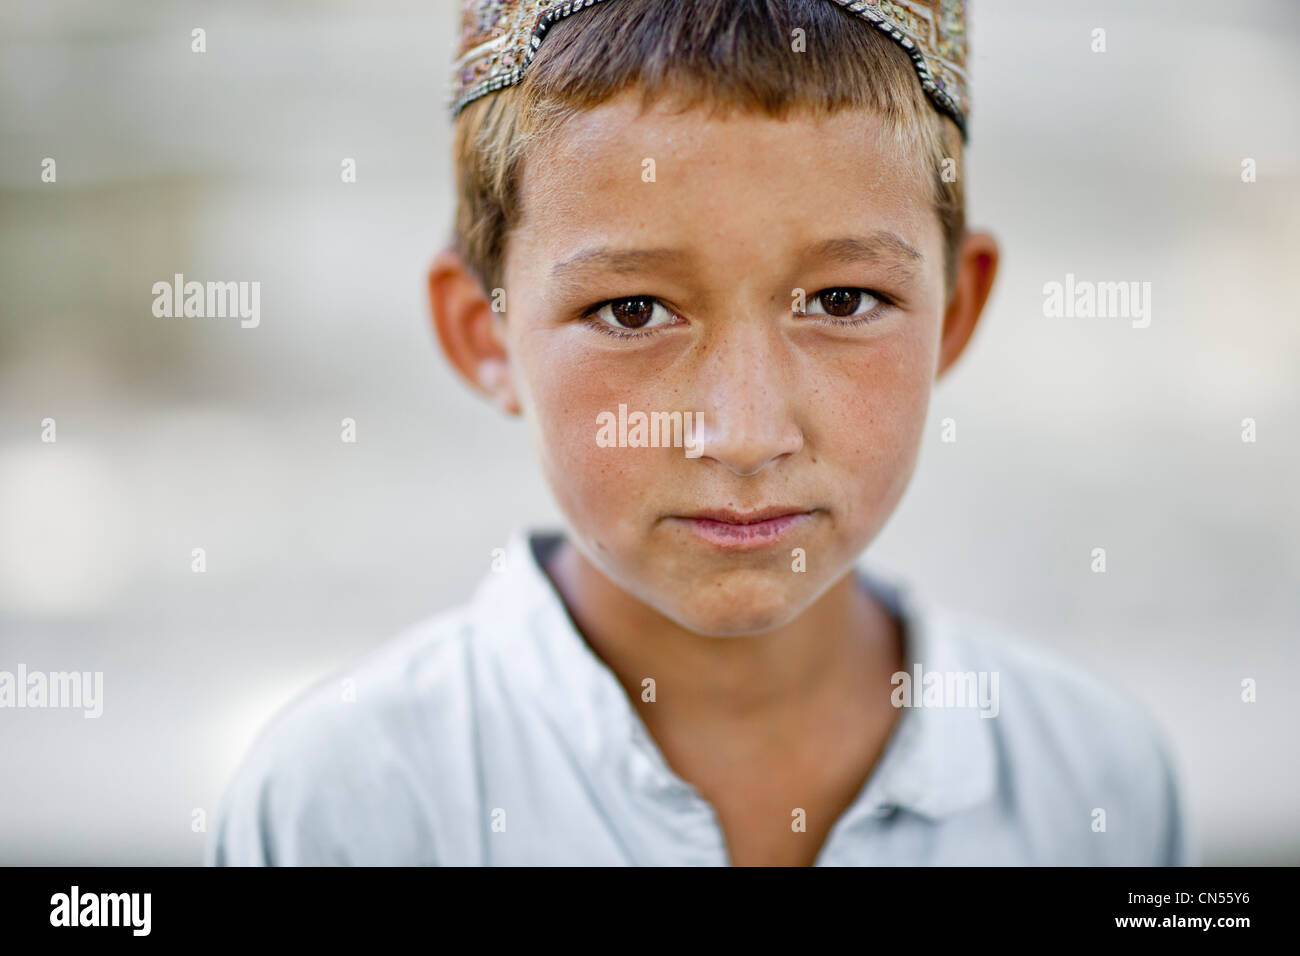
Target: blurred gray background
[175,434]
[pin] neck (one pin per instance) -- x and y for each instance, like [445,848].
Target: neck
[817,664]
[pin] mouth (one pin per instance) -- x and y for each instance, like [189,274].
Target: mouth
[744,530]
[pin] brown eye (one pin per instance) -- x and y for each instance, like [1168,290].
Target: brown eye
[840,303]
[633,313]
[843,303]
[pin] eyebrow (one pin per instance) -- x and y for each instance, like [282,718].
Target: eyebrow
[619,260]
[881,246]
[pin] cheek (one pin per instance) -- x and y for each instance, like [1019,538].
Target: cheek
[868,414]
[566,388]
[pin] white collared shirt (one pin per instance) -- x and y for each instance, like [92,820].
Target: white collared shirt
[493,735]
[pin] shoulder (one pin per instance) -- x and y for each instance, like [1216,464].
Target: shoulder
[1086,762]
[342,773]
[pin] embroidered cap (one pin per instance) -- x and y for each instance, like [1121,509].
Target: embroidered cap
[500,37]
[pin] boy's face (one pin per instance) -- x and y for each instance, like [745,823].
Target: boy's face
[811,421]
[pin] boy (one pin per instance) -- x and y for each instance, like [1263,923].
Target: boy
[714,253]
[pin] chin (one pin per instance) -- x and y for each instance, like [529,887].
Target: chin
[739,608]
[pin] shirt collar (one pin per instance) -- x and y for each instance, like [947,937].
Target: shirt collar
[936,763]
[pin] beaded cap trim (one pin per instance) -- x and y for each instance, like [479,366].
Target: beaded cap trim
[498,39]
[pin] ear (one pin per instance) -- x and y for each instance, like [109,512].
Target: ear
[977,264]
[472,335]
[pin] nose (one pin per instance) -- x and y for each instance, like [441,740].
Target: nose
[748,399]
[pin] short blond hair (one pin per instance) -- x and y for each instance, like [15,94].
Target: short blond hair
[725,54]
